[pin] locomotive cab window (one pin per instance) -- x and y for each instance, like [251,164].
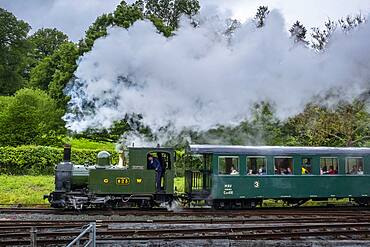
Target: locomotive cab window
[283,165]
[228,165]
[306,166]
[163,158]
[328,166]
[256,165]
[354,166]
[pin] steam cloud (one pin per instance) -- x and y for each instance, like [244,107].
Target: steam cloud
[201,77]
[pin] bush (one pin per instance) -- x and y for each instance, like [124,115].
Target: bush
[30,117]
[40,160]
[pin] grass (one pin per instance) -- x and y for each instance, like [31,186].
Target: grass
[30,190]
[179,183]
[25,189]
[88,144]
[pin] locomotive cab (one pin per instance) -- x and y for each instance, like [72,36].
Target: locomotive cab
[134,183]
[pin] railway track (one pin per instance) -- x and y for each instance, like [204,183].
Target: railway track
[60,234]
[346,211]
[261,224]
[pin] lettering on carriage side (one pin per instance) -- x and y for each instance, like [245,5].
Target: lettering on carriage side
[228,189]
[256,184]
[123,181]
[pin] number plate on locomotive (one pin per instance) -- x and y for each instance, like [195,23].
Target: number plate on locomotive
[123,181]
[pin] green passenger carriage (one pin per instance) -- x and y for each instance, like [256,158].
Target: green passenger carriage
[243,176]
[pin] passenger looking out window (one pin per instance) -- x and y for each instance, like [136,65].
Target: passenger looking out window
[228,165]
[234,171]
[306,166]
[256,166]
[354,166]
[328,166]
[283,165]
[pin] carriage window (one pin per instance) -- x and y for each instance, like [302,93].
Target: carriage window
[228,165]
[328,165]
[256,166]
[354,166]
[283,165]
[306,166]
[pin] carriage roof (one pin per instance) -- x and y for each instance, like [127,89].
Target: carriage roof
[277,150]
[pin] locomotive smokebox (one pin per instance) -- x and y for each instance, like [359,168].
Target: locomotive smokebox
[67,153]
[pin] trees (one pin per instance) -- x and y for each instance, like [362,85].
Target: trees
[13,47]
[347,124]
[66,64]
[298,33]
[55,71]
[164,14]
[261,15]
[30,117]
[169,11]
[350,22]
[45,42]
[321,38]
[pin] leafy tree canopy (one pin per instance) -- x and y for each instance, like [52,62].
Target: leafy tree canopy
[55,71]
[164,14]
[46,41]
[13,47]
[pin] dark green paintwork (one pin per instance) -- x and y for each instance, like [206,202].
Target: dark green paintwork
[98,186]
[290,186]
[103,180]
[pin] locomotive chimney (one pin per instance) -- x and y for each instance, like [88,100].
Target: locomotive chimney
[67,153]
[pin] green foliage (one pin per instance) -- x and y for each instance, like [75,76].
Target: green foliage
[43,44]
[46,41]
[170,11]
[30,117]
[25,189]
[96,30]
[13,47]
[347,124]
[82,143]
[35,160]
[67,56]
[179,184]
[262,128]
[55,71]
[164,14]
[124,16]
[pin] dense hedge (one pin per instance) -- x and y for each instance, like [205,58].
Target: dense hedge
[40,160]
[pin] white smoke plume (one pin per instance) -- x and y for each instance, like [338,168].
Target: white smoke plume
[201,77]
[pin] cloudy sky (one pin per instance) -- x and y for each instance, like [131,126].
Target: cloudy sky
[74,16]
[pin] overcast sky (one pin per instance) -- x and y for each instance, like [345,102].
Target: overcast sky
[74,16]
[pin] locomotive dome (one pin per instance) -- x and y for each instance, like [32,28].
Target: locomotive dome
[103,158]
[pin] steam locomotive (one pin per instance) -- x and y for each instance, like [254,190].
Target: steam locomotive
[229,177]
